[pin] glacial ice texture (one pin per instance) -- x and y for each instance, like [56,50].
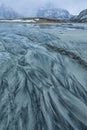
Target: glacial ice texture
[43,77]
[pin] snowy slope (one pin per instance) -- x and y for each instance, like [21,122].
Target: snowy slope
[82,17]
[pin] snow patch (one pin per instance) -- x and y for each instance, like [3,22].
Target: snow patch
[19,20]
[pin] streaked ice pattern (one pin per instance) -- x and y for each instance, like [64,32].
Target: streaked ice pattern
[43,76]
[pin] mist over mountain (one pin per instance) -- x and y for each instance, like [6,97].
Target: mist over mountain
[7,13]
[49,11]
[46,11]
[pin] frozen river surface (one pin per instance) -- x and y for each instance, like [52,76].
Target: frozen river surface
[43,76]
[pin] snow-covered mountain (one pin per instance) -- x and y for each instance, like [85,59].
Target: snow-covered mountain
[47,11]
[52,12]
[8,13]
[82,17]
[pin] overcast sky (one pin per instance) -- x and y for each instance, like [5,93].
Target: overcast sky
[26,6]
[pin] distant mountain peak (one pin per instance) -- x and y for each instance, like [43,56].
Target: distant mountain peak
[82,17]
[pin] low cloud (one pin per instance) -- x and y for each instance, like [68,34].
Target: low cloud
[29,6]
